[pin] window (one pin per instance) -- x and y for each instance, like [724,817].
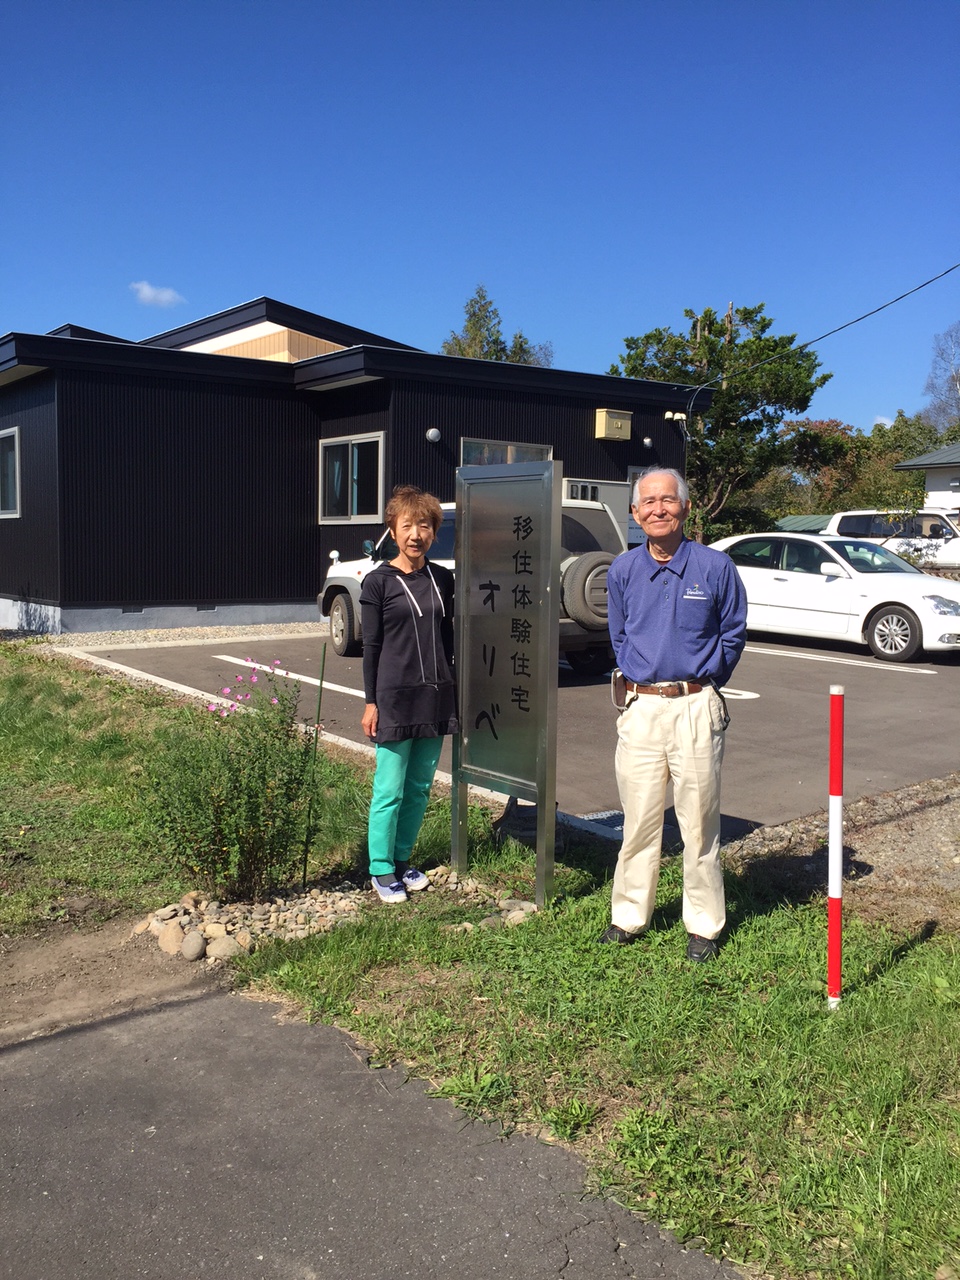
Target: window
[804,557]
[10,472]
[484,453]
[756,553]
[351,479]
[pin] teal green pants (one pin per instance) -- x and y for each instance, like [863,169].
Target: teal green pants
[401,789]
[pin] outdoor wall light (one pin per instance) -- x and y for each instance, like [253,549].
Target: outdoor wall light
[433,435]
[647,442]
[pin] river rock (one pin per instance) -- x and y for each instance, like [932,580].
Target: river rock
[223,949]
[194,945]
[170,938]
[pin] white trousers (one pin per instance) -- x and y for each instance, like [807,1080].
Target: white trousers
[661,739]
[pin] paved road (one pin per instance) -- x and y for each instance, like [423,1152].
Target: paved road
[202,1138]
[901,719]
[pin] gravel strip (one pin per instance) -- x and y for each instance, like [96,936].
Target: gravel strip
[171,635]
[199,928]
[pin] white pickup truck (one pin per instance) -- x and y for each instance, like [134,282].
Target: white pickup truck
[591,538]
[930,538]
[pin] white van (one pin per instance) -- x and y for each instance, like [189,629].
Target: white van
[931,537]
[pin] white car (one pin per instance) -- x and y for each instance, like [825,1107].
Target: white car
[931,537]
[845,588]
[591,539]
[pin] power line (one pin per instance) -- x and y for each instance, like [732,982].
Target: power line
[804,346]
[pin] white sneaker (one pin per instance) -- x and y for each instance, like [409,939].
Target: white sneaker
[392,891]
[412,880]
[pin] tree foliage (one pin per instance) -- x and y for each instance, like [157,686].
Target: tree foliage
[481,337]
[943,382]
[850,470]
[757,379]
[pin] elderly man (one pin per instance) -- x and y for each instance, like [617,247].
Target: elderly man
[677,613]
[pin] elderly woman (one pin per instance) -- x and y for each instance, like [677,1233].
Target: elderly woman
[407,620]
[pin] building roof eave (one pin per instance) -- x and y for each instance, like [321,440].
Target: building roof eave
[948,456]
[270,310]
[365,363]
[24,354]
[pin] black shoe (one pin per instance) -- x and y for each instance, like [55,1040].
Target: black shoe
[700,949]
[616,934]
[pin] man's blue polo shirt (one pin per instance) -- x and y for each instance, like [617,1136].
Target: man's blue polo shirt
[683,620]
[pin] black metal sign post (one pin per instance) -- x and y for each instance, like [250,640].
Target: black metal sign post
[507,613]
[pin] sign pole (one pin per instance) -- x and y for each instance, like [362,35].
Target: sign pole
[835,851]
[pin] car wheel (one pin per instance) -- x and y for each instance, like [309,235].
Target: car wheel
[343,627]
[893,633]
[589,662]
[583,589]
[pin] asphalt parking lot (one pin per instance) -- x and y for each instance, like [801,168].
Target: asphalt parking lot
[901,719]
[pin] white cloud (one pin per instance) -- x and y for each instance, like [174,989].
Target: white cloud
[882,421]
[152,296]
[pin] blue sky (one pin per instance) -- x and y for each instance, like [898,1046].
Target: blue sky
[599,166]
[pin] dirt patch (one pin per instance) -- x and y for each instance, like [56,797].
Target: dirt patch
[67,976]
[902,868]
[901,857]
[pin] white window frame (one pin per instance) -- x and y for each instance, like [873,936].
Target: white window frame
[14,513]
[374,517]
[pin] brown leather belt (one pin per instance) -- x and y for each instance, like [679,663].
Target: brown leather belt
[666,688]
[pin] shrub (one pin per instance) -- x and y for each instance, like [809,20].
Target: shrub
[231,794]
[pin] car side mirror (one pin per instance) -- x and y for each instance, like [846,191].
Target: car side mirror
[830,569]
[367,547]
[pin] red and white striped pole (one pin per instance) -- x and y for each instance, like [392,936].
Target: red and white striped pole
[835,850]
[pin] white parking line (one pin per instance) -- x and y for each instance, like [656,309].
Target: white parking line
[738,693]
[844,662]
[289,675]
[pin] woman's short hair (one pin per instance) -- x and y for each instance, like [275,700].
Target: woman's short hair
[683,492]
[408,500]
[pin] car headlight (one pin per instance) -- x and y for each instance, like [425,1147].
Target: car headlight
[942,604]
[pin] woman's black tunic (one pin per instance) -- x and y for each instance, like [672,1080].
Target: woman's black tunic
[407,621]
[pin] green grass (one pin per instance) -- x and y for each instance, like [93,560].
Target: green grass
[75,805]
[724,1101]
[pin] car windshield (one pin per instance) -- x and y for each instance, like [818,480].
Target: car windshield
[867,557]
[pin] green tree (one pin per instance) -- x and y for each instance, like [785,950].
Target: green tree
[481,337]
[846,469]
[757,379]
[825,460]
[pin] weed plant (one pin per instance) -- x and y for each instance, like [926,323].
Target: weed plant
[231,799]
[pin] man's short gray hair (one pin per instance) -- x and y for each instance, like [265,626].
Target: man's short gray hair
[683,492]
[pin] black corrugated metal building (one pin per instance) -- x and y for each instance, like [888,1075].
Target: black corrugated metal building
[212,469]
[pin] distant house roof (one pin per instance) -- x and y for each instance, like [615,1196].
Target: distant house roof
[946,457]
[802,524]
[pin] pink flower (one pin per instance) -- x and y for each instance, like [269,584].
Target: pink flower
[233,706]
[276,662]
[247,696]
[239,679]
[253,679]
[223,712]
[274,701]
[226,691]
[211,706]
